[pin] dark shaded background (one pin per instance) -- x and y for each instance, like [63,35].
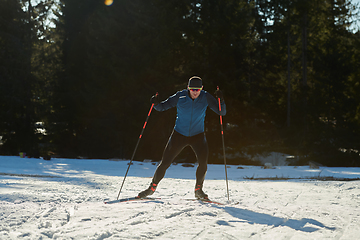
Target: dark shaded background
[289,71]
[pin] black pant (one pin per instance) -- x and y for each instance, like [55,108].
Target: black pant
[175,145]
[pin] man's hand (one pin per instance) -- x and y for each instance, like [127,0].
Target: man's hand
[219,94]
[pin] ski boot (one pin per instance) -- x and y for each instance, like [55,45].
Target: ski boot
[199,194]
[148,191]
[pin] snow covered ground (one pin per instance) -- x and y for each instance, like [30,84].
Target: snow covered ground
[63,199]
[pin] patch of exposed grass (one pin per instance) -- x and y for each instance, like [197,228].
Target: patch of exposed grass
[28,175]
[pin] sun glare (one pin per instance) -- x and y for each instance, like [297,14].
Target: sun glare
[108,2]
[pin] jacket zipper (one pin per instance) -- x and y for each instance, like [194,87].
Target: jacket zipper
[192,109]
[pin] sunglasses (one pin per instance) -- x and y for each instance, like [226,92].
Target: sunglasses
[195,89]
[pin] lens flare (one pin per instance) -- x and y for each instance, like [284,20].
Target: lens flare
[108,2]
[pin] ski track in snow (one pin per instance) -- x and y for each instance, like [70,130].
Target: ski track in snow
[71,207]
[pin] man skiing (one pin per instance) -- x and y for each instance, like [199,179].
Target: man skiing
[191,105]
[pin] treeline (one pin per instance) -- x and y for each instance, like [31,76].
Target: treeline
[289,71]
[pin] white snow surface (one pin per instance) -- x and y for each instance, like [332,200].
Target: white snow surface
[64,199]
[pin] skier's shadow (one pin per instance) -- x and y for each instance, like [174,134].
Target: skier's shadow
[252,217]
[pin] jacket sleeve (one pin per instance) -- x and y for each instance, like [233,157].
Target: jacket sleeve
[168,103]
[214,104]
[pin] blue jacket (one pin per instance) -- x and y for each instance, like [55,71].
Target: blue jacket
[191,113]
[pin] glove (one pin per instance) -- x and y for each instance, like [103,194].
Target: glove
[155,99]
[218,93]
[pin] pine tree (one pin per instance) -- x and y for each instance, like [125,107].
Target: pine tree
[16,38]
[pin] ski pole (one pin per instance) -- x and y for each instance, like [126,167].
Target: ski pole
[223,143]
[137,144]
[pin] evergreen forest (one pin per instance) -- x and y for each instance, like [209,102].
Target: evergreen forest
[76,77]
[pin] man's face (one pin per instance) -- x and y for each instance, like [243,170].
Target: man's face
[194,92]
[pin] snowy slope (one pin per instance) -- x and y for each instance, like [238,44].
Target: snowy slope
[63,199]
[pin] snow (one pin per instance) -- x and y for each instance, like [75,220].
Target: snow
[64,199]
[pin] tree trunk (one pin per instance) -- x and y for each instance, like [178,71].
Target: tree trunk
[289,76]
[304,66]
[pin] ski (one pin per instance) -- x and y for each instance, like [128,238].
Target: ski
[204,200]
[129,200]
[148,198]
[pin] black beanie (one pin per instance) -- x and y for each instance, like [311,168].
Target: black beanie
[195,82]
